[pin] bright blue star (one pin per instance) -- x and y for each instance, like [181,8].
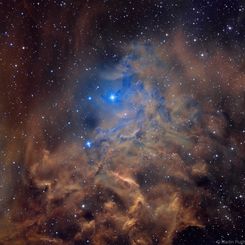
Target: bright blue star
[112,97]
[89,98]
[88,144]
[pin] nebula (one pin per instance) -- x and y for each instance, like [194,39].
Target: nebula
[143,147]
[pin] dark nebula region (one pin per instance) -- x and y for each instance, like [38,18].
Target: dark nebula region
[122,122]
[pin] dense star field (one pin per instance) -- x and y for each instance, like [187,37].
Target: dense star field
[122,122]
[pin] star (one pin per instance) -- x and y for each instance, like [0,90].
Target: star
[112,97]
[88,144]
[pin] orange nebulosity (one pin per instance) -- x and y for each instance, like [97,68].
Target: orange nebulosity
[137,193]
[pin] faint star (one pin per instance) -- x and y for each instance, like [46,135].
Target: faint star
[88,144]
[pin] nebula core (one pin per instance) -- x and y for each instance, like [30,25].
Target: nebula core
[122,122]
